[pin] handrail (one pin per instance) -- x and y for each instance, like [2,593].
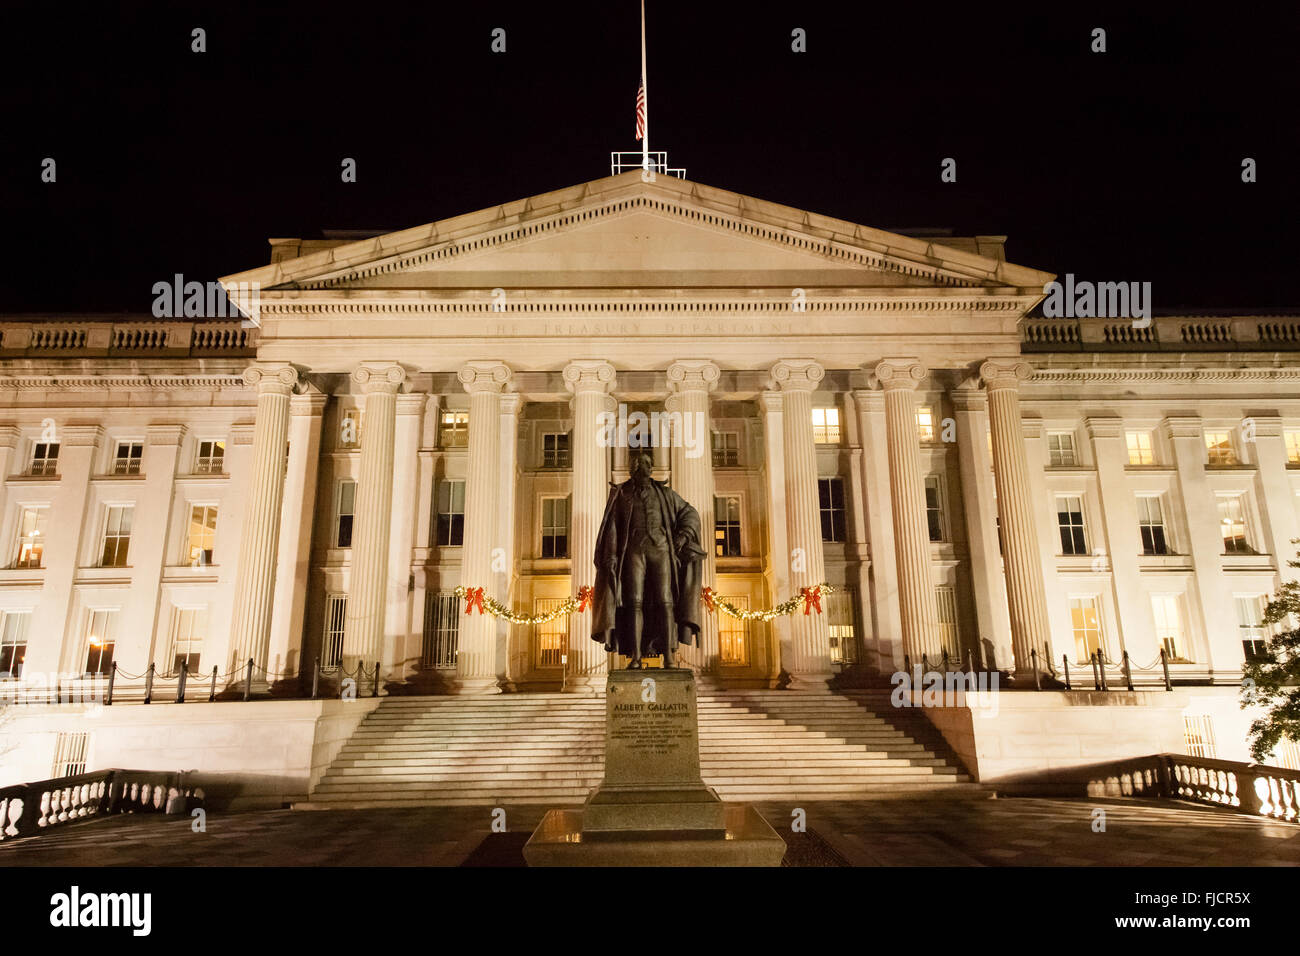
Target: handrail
[1251,789]
[30,809]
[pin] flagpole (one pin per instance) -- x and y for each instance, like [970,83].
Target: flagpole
[645,139]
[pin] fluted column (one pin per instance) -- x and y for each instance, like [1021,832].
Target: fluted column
[507,575]
[476,665]
[691,381]
[777,570]
[898,378]
[1026,596]
[590,381]
[363,628]
[810,658]
[259,541]
[401,645]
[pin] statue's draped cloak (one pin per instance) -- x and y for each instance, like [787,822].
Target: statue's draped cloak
[610,621]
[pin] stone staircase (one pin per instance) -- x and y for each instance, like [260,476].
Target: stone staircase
[549,749]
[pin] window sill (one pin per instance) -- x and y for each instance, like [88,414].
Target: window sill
[139,476]
[24,479]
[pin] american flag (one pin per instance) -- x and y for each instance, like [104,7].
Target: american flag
[640,110]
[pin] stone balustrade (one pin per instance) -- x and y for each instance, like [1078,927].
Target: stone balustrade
[56,338]
[30,809]
[1164,333]
[1254,789]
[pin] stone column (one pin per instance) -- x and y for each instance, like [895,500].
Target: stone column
[970,406]
[144,632]
[898,378]
[777,571]
[1276,498]
[55,638]
[1123,538]
[505,577]
[259,540]
[691,381]
[9,438]
[363,626]
[476,665]
[810,655]
[398,653]
[1026,596]
[295,532]
[887,621]
[590,381]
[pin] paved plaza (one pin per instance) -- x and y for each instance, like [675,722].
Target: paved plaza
[894,832]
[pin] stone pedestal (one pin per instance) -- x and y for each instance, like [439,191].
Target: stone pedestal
[653,808]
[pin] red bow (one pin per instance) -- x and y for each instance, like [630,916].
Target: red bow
[585,594]
[812,599]
[474,599]
[707,594]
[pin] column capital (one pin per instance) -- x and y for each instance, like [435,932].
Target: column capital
[589,375]
[899,373]
[868,401]
[797,375]
[410,403]
[84,435]
[969,399]
[241,433]
[164,434]
[379,377]
[9,435]
[1183,426]
[279,378]
[1104,426]
[1267,422]
[771,401]
[510,403]
[311,402]
[484,376]
[693,375]
[1004,374]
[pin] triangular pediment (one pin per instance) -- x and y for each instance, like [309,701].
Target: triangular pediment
[624,232]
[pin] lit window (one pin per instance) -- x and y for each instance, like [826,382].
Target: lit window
[726,449]
[555,527]
[117,536]
[1292,447]
[549,636]
[925,423]
[839,618]
[455,430]
[1140,451]
[1069,519]
[934,507]
[1151,523]
[1060,450]
[126,460]
[1232,523]
[189,628]
[1251,626]
[346,506]
[1198,735]
[726,525]
[946,603]
[733,633]
[1085,621]
[1218,448]
[555,450]
[31,537]
[1169,624]
[336,613]
[203,534]
[450,530]
[45,458]
[830,494]
[442,614]
[101,638]
[211,457]
[826,426]
[13,642]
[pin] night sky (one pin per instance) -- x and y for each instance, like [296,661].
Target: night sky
[1117,166]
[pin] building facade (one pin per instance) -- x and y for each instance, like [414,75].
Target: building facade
[446,406]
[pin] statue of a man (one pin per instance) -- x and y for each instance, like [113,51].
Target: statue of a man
[649,562]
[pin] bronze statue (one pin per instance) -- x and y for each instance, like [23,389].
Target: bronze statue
[649,563]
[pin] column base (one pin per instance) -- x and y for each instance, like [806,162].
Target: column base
[589,685]
[810,682]
[482,686]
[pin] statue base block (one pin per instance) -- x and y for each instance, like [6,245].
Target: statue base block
[653,808]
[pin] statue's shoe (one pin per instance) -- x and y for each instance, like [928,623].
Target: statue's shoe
[635,666]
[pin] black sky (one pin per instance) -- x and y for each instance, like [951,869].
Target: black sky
[1116,166]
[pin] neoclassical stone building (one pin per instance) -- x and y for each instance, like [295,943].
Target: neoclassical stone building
[421,410]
